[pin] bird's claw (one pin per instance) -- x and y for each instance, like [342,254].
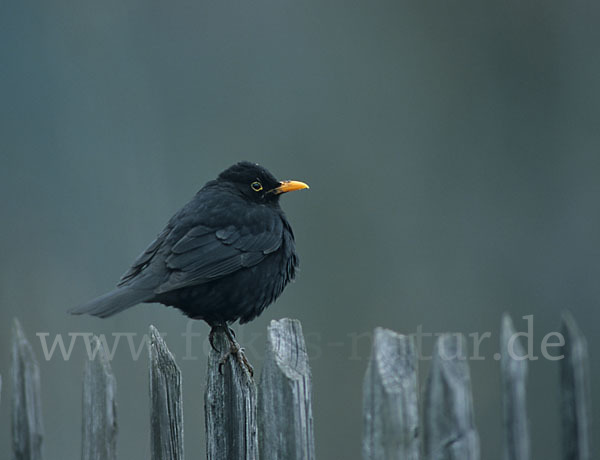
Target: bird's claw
[240,356]
[234,350]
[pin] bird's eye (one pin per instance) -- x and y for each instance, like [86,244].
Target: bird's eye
[256,186]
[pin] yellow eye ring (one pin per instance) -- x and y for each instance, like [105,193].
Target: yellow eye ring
[256,186]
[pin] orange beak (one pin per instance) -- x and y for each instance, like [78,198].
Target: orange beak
[289,186]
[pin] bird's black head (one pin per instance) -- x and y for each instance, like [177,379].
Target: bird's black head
[256,183]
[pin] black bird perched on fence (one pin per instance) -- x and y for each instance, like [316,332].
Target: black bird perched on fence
[225,256]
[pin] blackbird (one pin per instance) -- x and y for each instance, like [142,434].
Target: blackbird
[225,256]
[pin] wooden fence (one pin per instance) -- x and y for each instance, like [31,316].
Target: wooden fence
[274,419]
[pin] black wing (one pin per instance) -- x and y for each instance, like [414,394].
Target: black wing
[144,258]
[204,254]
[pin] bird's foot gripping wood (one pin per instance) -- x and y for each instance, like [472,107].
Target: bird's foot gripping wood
[234,350]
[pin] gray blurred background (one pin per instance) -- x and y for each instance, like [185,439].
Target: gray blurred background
[452,149]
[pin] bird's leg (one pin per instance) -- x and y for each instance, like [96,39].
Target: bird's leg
[234,349]
[211,337]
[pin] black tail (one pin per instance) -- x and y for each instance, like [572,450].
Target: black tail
[113,302]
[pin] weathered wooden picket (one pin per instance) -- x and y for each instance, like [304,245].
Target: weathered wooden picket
[274,421]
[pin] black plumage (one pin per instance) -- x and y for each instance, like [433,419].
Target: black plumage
[225,256]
